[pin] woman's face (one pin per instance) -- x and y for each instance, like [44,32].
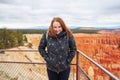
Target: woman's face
[57,27]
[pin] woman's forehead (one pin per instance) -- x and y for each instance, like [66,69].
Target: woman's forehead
[56,23]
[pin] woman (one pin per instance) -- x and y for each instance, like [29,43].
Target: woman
[60,51]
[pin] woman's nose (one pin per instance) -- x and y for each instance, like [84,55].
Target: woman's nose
[57,29]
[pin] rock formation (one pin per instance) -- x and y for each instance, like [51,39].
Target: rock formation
[102,48]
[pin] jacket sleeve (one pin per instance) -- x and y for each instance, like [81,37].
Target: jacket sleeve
[72,49]
[42,46]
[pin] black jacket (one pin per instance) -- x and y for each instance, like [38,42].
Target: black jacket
[60,51]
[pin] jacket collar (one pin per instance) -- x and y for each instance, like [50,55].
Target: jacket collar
[61,34]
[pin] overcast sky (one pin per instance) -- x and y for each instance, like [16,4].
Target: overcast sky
[80,13]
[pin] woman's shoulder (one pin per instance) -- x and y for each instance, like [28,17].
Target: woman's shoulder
[71,37]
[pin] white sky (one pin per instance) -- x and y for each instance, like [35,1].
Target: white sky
[80,13]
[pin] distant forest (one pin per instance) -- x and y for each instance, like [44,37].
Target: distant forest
[15,37]
[37,31]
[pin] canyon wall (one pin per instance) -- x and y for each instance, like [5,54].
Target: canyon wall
[102,48]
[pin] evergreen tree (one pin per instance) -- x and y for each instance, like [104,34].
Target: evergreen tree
[10,38]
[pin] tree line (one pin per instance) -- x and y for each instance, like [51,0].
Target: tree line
[15,37]
[40,31]
[10,38]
